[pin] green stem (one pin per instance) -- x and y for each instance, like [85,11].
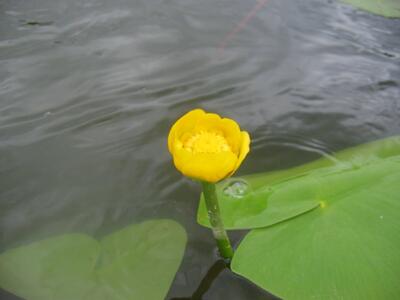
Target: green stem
[220,235]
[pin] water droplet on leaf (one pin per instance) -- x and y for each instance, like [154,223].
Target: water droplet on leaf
[237,188]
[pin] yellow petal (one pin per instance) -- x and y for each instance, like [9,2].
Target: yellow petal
[184,124]
[208,121]
[244,150]
[231,131]
[226,127]
[211,167]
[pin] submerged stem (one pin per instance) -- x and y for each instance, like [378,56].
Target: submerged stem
[220,235]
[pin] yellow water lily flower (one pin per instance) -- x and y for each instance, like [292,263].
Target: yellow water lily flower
[206,147]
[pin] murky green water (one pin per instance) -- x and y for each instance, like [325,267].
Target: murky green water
[89,89]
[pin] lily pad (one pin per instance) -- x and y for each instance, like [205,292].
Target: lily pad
[257,208]
[264,199]
[347,248]
[385,8]
[137,262]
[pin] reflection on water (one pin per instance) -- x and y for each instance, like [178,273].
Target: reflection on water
[89,89]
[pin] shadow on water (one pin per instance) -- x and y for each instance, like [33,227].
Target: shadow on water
[216,270]
[4,295]
[207,281]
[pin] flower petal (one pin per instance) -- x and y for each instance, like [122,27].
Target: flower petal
[208,121]
[232,133]
[211,167]
[184,124]
[244,150]
[227,127]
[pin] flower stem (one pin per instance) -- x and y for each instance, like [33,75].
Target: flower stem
[220,235]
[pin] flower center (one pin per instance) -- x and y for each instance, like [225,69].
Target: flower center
[206,142]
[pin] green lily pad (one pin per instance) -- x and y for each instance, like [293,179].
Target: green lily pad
[347,248]
[258,208]
[137,262]
[385,8]
[261,200]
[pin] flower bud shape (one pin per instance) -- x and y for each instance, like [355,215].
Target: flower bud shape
[206,147]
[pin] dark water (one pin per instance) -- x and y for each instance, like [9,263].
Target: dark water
[89,89]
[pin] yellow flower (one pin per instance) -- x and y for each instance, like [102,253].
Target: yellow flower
[206,147]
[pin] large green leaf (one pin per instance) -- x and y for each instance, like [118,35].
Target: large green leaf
[265,199]
[243,208]
[137,262]
[386,8]
[347,248]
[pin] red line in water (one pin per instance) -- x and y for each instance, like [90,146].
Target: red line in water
[239,27]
